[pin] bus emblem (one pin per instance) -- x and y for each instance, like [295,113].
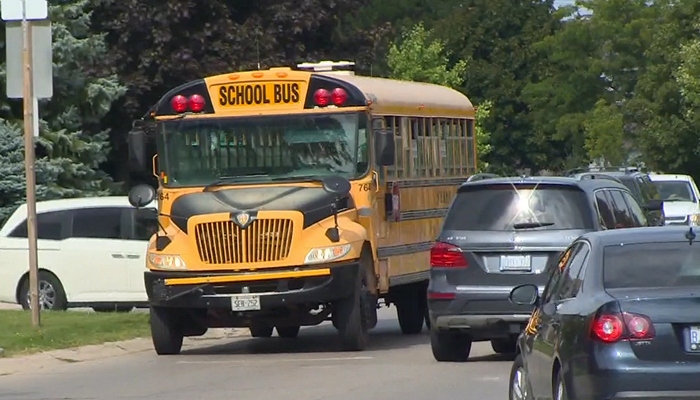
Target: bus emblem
[242,219]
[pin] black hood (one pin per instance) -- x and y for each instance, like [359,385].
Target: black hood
[314,203]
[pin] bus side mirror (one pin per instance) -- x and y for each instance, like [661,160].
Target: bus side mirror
[384,147]
[141,195]
[137,150]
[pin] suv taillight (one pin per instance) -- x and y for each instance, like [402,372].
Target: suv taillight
[445,255]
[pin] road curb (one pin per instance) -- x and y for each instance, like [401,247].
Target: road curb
[54,358]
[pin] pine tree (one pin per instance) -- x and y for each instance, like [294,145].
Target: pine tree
[71,147]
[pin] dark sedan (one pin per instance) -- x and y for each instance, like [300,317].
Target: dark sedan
[618,319]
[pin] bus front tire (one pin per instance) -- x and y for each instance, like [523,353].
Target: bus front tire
[166,334]
[351,317]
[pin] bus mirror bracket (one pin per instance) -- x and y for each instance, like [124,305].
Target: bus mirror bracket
[339,187]
[384,147]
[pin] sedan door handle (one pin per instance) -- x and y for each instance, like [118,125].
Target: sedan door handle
[133,256]
[117,255]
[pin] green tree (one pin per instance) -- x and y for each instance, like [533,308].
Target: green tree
[604,134]
[417,58]
[497,37]
[483,137]
[71,147]
[420,57]
[688,76]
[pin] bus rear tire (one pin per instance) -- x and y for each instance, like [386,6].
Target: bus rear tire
[411,306]
[260,331]
[166,334]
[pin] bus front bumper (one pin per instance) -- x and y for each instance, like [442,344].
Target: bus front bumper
[271,288]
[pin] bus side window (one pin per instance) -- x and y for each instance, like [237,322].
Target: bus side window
[470,134]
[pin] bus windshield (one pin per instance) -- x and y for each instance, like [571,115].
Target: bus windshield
[203,151]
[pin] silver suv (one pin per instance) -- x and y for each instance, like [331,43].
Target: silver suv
[503,232]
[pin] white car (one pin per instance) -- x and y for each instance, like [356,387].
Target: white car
[90,254]
[681,198]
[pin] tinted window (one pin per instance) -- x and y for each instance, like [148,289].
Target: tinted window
[675,190]
[651,265]
[623,216]
[637,213]
[99,223]
[501,207]
[572,279]
[554,270]
[605,210]
[633,187]
[50,225]
[145,224]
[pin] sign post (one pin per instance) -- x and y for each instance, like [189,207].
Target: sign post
[25,11]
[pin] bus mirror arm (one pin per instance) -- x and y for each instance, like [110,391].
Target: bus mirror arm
[333,234]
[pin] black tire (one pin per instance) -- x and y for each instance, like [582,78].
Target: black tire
[260,330]
[427,318]
[288,331]
[166,334]
[54,289]
[350,316]
[504,346]
[524,385]
[450,346]
[410,310]
[113,309]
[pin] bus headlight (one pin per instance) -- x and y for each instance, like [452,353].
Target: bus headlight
[166,261]
[325,254]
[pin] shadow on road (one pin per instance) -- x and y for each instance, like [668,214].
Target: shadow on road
[318,339]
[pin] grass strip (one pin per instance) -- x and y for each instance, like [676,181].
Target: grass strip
[65,329]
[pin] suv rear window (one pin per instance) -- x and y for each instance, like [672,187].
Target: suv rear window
[505,207]
[646,265]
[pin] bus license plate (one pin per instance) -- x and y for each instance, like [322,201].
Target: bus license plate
[245,302]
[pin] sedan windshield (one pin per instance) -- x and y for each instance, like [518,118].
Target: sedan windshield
[207,151]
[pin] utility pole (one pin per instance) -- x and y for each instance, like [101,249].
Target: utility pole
[25,84]
[29,162]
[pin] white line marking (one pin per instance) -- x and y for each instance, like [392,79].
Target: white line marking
[275,360]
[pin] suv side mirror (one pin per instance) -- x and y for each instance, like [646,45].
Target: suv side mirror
[384,147]
[654,205]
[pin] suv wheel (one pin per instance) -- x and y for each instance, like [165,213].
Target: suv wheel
[450,345]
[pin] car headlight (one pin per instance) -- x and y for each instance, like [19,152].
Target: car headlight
[325,254]
[694,219]
[166,261]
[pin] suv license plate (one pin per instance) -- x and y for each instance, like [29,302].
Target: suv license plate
[516,263]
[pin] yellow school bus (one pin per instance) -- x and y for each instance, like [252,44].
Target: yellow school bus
[288,197]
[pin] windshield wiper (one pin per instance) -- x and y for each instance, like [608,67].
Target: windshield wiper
[528,225]
[303,178]
[222,180]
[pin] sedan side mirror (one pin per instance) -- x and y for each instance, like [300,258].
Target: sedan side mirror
[524,295]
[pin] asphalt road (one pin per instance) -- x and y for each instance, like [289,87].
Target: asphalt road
[309,367]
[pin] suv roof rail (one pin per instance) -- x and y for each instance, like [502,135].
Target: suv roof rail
[596,175]
[481,177]
[627,170]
